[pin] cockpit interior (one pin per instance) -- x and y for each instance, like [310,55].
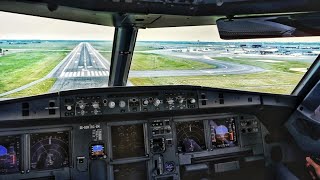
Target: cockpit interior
[163,132]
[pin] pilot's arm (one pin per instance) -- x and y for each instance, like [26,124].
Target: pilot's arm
[315,166]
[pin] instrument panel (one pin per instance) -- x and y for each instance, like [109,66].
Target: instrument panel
[158,134]
[148,149]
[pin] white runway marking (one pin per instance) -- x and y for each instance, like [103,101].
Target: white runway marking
[85,73]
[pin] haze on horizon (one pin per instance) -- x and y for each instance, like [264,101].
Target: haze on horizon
[24,27]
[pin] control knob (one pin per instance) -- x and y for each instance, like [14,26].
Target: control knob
[112,104]
[82,105]
[192,101]
[170,101]
[95,105]
[156,102]
[145,102]
[122,104]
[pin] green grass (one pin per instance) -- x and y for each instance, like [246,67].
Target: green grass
[19,69]
[278,78]
[283,66]
[37,89]
[106,55]
[144,61]
[271,82]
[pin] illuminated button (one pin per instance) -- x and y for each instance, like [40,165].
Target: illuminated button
[122,104]
[112,104]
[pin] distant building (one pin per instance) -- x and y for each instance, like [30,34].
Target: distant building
[256,46]
[269,51]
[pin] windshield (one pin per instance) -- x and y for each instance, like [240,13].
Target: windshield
[40,55]
[197,56]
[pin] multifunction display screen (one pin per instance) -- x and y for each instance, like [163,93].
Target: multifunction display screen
[223,133]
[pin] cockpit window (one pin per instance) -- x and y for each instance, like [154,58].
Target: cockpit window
[40,55]
[197,56]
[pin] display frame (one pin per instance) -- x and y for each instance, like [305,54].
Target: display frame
[46,130]
[21,153]
[236,131]
[109,148]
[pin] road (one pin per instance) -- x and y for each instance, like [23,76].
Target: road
[83,68]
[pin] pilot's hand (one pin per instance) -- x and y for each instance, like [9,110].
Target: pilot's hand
[316,167]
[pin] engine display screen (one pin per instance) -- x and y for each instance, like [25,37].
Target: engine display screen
[223,133]
[49,150]
[127,141]
[9,154]
[130,171]
[190,136]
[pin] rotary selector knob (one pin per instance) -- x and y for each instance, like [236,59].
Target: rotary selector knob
[69,107]
[145,102]
[112,104]
[170,101]
[192,101]
[122,104]
[95,105]
[82,105]
[156,102]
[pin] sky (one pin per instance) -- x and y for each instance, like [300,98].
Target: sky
[16,26]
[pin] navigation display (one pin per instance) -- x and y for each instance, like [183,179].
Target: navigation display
[49,150]
[223,133]
[9,154]
[127,141]
[190,136]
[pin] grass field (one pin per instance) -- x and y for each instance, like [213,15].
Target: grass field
[277,79]
[40,88]
[146,61]
[22,68]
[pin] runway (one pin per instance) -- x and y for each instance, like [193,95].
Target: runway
[83,68]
